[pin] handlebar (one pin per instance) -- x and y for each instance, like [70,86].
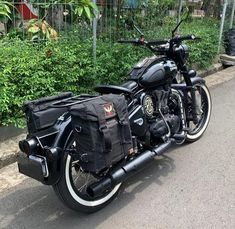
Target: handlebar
[160,42]
[183,38]
[150,44]
[143,42]
[128,42]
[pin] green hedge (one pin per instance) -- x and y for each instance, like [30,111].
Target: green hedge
[29,71]
[202,53]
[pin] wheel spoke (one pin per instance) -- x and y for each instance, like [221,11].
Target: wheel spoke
[72,186]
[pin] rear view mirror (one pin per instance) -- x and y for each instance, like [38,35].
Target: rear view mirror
[184,13]
[184,16]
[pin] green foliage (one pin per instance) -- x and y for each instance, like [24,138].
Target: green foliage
[40,29]
[159,8]
[202,53]
[115,60]
[21,78]
[85,8]
[29,71]
[5,10]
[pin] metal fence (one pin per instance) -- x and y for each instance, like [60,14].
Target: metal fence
[61,17]
[109,22]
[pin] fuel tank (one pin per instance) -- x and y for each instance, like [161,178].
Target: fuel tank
[154,71]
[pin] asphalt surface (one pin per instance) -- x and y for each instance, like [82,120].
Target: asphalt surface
[193,186]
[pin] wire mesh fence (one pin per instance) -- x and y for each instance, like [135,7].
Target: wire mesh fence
[61,17]
[37,19]
[58,16]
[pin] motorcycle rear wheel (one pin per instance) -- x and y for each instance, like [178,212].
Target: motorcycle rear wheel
[71,188]
[196,131]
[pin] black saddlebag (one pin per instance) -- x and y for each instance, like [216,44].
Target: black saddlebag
[40,114]
[102,132]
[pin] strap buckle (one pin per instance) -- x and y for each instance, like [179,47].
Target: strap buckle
[103,127]
[122,121]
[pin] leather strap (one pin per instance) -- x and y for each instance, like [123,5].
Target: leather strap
[125,138]
[103,127]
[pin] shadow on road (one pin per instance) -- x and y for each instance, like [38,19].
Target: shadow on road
[38,207]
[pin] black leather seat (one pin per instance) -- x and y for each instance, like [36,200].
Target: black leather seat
[127,88]
[131,85]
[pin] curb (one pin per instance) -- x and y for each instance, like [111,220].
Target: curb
[215,68]
[7,158]
[9,150]
[8,132]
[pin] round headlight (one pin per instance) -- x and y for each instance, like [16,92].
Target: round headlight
[185,51]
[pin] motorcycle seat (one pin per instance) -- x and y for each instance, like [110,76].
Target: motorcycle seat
[131,85]
[126,88]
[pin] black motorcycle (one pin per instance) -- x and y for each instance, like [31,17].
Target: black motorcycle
[162,112]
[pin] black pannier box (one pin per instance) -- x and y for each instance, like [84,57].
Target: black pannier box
[102,131]
[40,114]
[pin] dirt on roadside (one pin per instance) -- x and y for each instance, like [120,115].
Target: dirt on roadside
[9,149]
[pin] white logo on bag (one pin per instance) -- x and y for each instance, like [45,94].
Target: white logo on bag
[109,110]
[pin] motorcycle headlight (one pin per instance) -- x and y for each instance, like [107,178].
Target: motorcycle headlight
[182,53]
[185,51]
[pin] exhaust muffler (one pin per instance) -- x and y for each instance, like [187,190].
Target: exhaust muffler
[117,176]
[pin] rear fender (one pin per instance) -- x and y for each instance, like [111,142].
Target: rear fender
[61,141]
[52,143]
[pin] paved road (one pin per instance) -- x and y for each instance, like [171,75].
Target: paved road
[192,187]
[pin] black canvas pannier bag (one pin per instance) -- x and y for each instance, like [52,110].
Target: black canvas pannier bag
[40,115]
[102,131]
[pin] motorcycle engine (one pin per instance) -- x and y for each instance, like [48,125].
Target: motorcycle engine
[159,110]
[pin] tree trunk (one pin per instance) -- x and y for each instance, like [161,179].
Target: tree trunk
[179,10]
[102,21]
[55,17]
[216,13]
[119,6]
[211,8]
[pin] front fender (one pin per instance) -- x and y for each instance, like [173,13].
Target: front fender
[197,80]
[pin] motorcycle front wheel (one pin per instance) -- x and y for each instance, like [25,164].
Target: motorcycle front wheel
[195,131]
[72,188]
